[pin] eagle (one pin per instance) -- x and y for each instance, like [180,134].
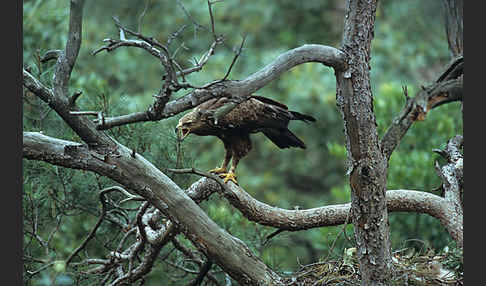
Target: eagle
[254,114]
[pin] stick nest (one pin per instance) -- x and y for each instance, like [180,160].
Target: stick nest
[409,268]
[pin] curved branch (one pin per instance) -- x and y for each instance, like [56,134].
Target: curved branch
[416,109]
[84,127]
[36,87]
[326,55]
[452,178]
[67,58]
[140,176]
[294,220]
[41,147]
[95,228]
[114,44]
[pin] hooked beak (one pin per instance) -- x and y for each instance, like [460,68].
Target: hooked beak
[181,132]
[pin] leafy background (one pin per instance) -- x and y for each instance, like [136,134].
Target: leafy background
[409,48]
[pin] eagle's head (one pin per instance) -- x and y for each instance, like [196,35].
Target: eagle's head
[189,123]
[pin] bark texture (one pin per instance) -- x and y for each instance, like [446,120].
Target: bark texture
[367,164]
[140,176]
[454,10]
[447,88]
[79,156]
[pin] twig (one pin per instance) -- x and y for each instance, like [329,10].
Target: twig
[150,40]
[204,270]
[74,97]
[216,178]
[140,18]
[81,113]
[33,273]
[199,64]
[175,34]
[50,55]
[273,234]
[343,229]
[95,228]
[238,52]
[212,20]
[101,218]
[188,15]
[181,268]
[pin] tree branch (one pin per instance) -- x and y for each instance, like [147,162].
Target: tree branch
[84,127]
[295,220]
[95,228]
[448,88]
[239,89]
[454,25]
[41,147]
[67,58]
[140,176]
[57,97]
[452,178]
[326,55]
[74,155]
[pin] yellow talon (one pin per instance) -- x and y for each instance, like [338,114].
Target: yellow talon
[218,170]
[229,176]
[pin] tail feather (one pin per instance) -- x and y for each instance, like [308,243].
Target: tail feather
[283,138]
[303,117]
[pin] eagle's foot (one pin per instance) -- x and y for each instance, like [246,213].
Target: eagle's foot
[219,170]
[229,177]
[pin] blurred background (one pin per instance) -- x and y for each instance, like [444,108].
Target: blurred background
[409,48]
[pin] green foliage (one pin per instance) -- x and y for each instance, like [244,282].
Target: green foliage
[409,49]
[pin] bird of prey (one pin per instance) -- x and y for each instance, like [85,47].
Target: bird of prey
[255,114]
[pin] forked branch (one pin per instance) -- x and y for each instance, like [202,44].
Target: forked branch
[448,88]
[238,89]
[41,147]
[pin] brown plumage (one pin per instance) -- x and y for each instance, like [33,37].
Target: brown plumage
[256,114]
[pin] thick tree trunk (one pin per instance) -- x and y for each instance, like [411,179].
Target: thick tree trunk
[454,26]
[367,163]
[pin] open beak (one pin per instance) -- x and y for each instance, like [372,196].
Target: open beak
[182,132]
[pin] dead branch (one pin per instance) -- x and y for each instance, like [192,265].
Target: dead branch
[454,25]
[202,273]
[93,231]
[237,54]
[41,147]
[162,108]
[189,254]
[448,88]
[67,58]
[50,55]
[172,71]
[238,89]
[452,178]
